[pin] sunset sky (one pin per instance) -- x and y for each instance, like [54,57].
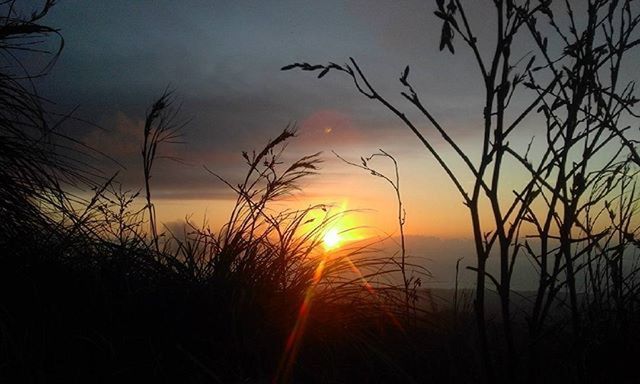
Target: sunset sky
[223,59]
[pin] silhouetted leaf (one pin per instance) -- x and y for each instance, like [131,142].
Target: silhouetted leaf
[503,90]
[446,37]
[324,72]
[288,67]
[557,104]
[403,78]
[530,63]
[450,46]
[446,17]
[517,79]
[451,7]
[441,15]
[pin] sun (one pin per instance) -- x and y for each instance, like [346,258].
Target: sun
[331,239]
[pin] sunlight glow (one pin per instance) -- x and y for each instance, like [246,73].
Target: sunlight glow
[341,232]
[332,239]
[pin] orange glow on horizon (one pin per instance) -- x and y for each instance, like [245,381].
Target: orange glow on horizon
[338,227]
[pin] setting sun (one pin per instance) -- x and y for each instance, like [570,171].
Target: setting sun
[331,239]
[394,192]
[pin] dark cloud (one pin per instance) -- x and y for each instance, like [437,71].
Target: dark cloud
[224,59]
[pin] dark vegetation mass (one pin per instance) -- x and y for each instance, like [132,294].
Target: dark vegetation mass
[93,289]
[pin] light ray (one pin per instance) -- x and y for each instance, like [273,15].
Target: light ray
[294,340]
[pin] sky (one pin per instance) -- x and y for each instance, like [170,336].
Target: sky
[223,60]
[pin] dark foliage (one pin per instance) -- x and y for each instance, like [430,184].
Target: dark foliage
[88,294]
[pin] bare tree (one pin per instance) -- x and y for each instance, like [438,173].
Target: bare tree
[580,108]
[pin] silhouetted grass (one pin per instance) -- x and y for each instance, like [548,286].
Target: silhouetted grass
[91,290]
[92,298]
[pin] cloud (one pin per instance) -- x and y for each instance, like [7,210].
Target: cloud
[122,140]
[223,59]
